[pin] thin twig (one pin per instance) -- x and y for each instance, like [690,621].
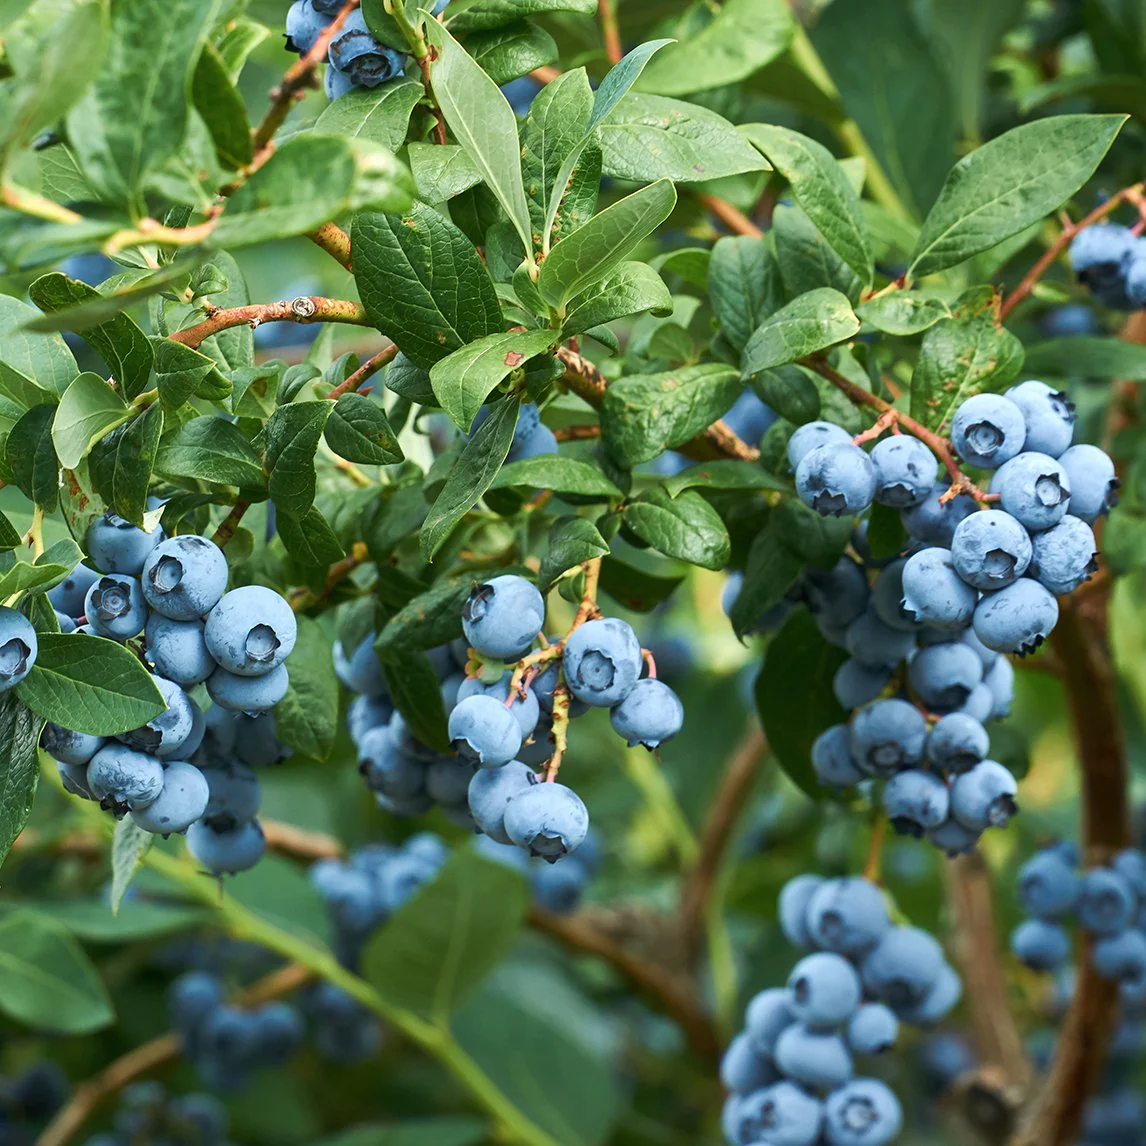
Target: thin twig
[367,370]
[230,523]
[610,31]
[872,864]
[305,309]
[732,217]
[577,433]
[334,241]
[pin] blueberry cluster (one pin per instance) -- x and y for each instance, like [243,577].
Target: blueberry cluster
[225,1043]
[1108,903]
[791,1071]
[355,58]
[1110,260]
[147,1113]
[167,599]
[28,1100]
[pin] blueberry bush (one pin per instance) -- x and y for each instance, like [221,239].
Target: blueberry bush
[572,572]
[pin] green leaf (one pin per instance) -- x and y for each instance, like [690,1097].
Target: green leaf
[119,342]
[685,527]
[90,685]
[464,380]
[432,618]
[443,1131]
[32,457]
[441,171]
[514,50]
[233,349]
[902,314]
[381,115]
[48,570]
[886,536]
[962,356]
[306,719]
[742,37]
[127,458]
[771,570]
[1092,357]
[137,920]
[643,415]
[723,475]
[128,847]
[219,103]
[242,37]
[359,431]
[815,539]
[636,589]
[605,241]
[805,260]
[808,324]
[417,695]
[181,372]
[560,474]
[743,285]
[88,411]
[477,15]
[10,537]
[46,980]
[794,696]
[310,540]
[19,767]
[422,283]
[435,951]
[1009,183]
[292,437]
[210,449]
[471,475]
[482,122]
[134,117]
[654,137]
[791,391]
[821,188]
[630,289]
[572,540]
[34,368]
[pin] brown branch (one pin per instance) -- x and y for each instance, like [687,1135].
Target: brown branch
[230,523]
[334,241]
[610,31]
[732,217]
[727,806]
[367,370]
[150,1057]
[435,108]
[577,433]
[305,309]
[298,843]
[718,441]
[545,75]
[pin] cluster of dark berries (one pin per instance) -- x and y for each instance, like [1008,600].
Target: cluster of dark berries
[167,599]
[1110,260]
[147,1113]
[356,59]
[28,1100]
[791,1071]
[1108,903]
[224,1042]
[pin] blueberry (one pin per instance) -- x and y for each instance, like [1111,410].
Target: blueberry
[1064,557]
[74,778]
[1049,416]
[1093,484]
[191,998]
[115,607]
[1131,863]
[957,743]
[903,967]
[980,705]
[278,1032]
[953,839]
[116,546]
[1047,885]
[781,1115]
[1098,255]
[916,802]
[559,887]
[526,706]
[837,595]
[122,779]
[835,480]
[184,577]
[1121,958]
[69,595]
[519,94]
[234,795]
[503,616]
[824,990]
[387,769]
[832,759]
[984,797]
[873,1029]
[178,650]
[69,747]
[351,899]
[257,742]
[934,593]
[336,84]
[943,676]
[742,1069]
[812,1058]
[1016,619]
[547,820]
[651,714]
[448,780]
[792,908]
[933,521]
[947,1058]
[226,852]
[202,1116]
[303,26]
[484,732]
[856,684]
[165,734]
[1070,320]
[767,1016]
[251,631]
[528,420]
[905,471]
[939,1002]
[490,792]
[1106,902]
[847,916]
[1034,489]
[365,713]
[1040,945]
[990,550]
[749,417]
[602,662]
[887,598]
[39,1091]
[1114,1119]
[988,430]
[812,434]
[862,1113]
[402,879]
[876,644]
[182,801]
[540,441]
[249,694]
[888,736]
[360,57]
[361,672]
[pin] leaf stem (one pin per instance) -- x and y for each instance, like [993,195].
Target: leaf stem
[29,203]
[367,370]
[230,523]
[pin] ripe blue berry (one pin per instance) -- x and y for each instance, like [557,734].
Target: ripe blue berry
[361,672]
[226,852]
[1121,958]
[249,694]
[303,26]
[178,650]
[165,734]
[836,596]
[990,550]
[1098,255]
[116,546]
[336,84]
[887,598]
[942,676]
[1106,901]
[847,916]
[835,480]
[503,616]
[783,1115]
[862,1113]
[182,801]
[934,593]
[876,644]
[69,595]
[873,1029]
[742,1069]
[69,747]
[651,714]
[115,607]
[984,797]
[792,908]
[484,732]
[813,1058]
[812,434]
[933,521]
[748,416]
[903,967]
[559,887]
[988,430]
[905,471]
[365,713]
[1016,619]
[387,768]
[768,1014]
[1093,484]
[957,743]
[359,56]
[1034,489]
[234,794]
[526,708]
[448,780]
[939,1002]
[856,684]
[832,758]
[74,778]
[887,737]
[915,802]
[547,820]
[191,998]
[953,839]
[18,648]
[602,662]
[824,990]
[1064,557]
[1048,886]
[251,631]
[1049,416]
[184,577]
[123,779]
[1040,945]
